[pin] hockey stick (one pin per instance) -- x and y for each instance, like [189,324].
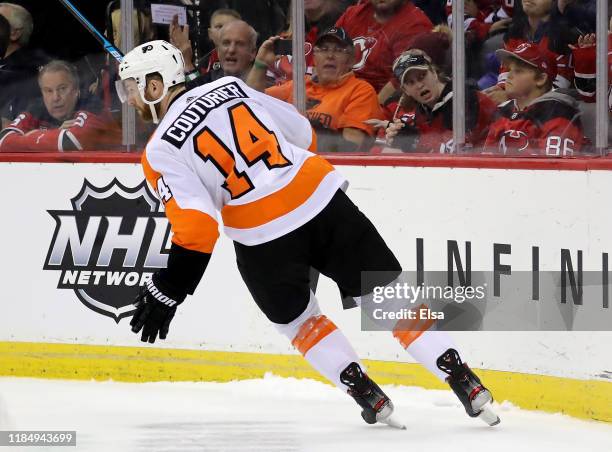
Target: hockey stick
[108,46]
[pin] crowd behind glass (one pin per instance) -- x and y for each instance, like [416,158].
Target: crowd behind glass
[377,75]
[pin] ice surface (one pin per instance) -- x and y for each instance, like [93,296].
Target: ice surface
[273,414]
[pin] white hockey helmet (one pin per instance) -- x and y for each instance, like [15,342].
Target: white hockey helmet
[149,58]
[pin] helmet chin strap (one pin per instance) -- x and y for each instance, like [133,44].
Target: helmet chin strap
[152,104]
[154,114]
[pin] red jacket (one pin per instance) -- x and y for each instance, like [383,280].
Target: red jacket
[549,126]
[378,45]
[36,131]
[476,27]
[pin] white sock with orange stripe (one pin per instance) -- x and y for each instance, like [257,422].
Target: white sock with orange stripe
[427,347]
[321,342]
[416,338]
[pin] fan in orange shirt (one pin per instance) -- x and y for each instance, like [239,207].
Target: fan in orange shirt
[337,103]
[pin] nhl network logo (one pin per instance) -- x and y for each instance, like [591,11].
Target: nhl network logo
[108,245]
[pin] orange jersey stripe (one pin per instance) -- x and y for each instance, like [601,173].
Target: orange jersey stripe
[192,229]
[281,202]
[407,331]
[313,143]
[311,332]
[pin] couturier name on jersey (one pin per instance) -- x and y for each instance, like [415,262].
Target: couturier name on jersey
[197,111]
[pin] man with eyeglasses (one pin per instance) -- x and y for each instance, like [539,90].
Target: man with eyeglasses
[337,103]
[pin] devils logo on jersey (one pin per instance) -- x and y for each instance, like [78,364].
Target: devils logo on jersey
[513,140]
[363,47]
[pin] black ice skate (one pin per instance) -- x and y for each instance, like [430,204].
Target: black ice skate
[467,386]
[377,407]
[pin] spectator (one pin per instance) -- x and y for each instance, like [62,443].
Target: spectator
[337,102]
[537,121]
[268,17]
[480,24]
[320,16]
[62,122]
[19,65]
[179,37]
[480,20]
[533,23]
[430,127]
[436,44]
[382,30]
[237,49]
[218,19]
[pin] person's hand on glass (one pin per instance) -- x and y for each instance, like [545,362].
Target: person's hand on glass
[588,40]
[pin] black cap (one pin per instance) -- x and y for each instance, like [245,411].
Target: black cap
[408,61]
[339,34]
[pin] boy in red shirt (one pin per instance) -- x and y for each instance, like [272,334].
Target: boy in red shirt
[536,120]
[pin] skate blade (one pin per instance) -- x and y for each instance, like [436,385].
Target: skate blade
[488,416]
[391,422]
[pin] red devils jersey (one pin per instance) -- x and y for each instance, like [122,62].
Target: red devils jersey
[32,132]
[506,9]
[213,62]
[565,69]
[478,26]
[378,45]
[549,126]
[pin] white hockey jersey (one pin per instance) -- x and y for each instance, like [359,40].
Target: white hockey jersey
[226,148]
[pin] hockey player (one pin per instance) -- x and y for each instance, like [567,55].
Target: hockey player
[536,120]
[224,147]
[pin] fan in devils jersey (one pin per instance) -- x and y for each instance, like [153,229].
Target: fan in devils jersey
[61,122]
[381,31]
[430,127]
[536,120]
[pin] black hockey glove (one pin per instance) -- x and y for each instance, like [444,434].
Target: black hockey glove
[155,307]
